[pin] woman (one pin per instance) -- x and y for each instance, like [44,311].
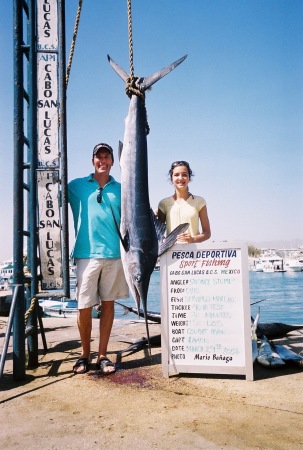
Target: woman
[184,207]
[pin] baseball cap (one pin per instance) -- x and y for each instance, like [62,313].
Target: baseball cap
[103,146]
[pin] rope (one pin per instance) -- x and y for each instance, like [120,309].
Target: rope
[72,49]
[130,38]
[132,87]
[30,309]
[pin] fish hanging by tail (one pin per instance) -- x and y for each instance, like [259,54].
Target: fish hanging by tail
[140,233]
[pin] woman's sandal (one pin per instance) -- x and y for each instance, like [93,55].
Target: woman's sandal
[103,363]
[82,362]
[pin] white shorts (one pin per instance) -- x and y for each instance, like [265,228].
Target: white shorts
[99,279]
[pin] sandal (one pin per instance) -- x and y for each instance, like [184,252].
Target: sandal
[81,362]
[103,363]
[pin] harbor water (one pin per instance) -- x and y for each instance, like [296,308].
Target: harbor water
[281,294]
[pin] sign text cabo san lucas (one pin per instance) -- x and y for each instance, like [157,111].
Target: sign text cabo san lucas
[48,144]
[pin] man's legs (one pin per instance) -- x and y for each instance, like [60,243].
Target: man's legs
[106,323]
[84,321]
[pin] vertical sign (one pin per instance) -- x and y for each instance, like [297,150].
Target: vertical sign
[48,93]
[49,229]
[48,144]
[205,310]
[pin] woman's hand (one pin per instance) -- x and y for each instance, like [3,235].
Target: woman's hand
[185,237]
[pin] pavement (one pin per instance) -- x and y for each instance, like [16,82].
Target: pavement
[137,406]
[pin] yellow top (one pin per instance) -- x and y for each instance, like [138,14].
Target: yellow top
[181,211]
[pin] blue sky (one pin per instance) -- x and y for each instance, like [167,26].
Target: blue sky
[233,109]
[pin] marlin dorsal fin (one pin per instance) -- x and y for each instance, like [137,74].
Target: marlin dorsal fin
[120,148]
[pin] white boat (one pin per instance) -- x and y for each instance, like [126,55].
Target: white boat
[5,285]
[269,264]
[72,277]
[257,267]
[59,308]
[268,267]
[63,308]
[293,265]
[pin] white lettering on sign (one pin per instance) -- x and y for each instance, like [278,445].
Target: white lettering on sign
[49,229]
[48,93]
[47,110]
[47,21]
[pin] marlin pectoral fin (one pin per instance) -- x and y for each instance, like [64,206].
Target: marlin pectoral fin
[171,238]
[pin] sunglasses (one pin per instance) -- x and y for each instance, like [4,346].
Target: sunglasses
[99,195]
[179,163]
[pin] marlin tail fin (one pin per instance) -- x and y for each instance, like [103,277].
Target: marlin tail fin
[148,81]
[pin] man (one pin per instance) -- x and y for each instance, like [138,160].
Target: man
[100,277]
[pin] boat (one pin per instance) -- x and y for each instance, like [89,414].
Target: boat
[157,266]
[63,308]
[268,267]
[268,264]
[59,308]
[7,270]
[5,285]
[293,265]
[273,263]
[257,267]
[72,277]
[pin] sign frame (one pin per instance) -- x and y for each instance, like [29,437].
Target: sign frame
[242,328]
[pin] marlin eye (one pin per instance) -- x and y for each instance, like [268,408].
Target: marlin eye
[137,278]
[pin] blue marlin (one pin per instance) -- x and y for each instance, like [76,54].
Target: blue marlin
[140,232]
[268,356]
[154,341]
[288,356]
[152,316]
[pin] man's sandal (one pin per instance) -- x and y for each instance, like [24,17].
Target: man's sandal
[82,362]
[103,363]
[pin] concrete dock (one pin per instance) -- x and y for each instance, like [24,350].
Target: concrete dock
[136,407]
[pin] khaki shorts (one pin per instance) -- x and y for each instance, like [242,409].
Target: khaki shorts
[99,279]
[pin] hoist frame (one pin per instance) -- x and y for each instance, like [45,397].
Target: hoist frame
[26,286]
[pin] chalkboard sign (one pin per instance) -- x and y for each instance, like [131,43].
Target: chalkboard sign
[205,309]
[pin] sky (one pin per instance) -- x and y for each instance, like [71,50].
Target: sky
[233,109]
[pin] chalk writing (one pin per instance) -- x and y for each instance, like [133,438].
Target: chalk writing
[207,307]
